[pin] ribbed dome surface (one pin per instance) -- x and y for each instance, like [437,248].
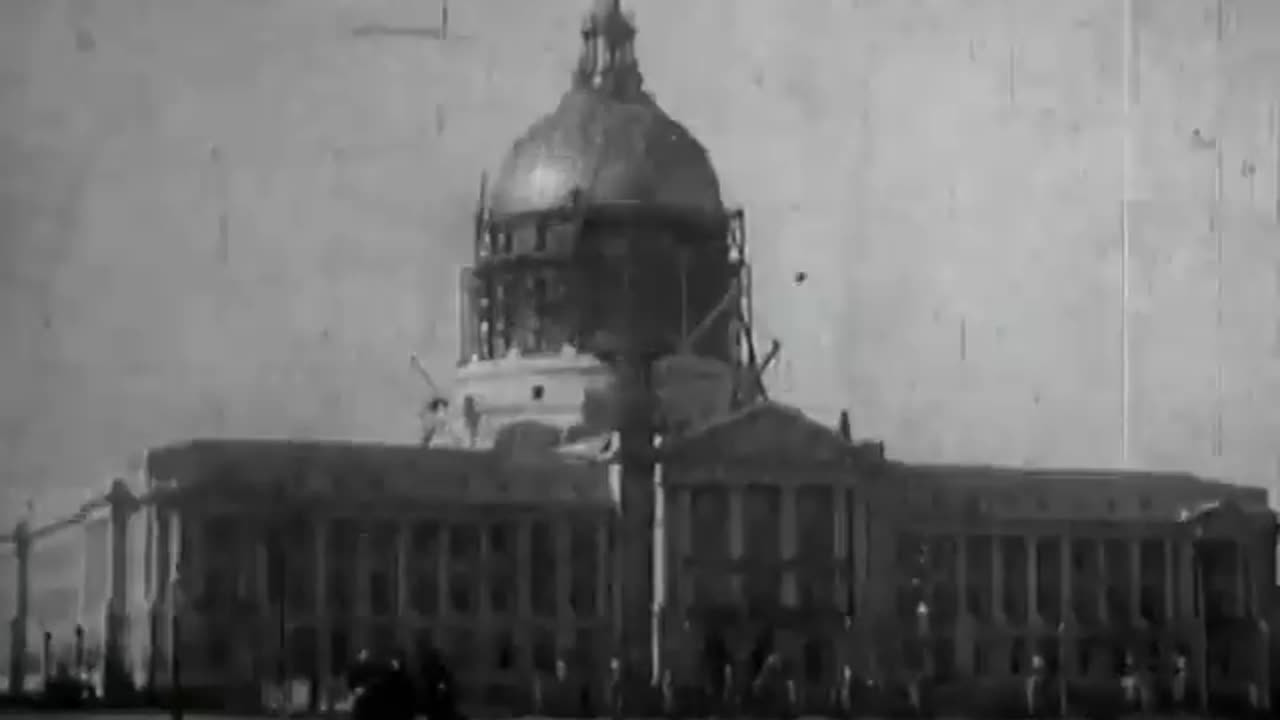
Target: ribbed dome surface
[613,151]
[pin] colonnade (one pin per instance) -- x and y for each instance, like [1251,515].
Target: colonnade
[692,554]
[1113,595]
[118,506]
[481,579]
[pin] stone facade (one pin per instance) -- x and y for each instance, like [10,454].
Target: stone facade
[774,533]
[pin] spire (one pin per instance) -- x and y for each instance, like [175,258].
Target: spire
[608,59]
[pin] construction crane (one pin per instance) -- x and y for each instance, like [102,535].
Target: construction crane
[436,401]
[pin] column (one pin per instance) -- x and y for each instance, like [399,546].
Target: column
[174,613]
[787,520]
[1104,582]
[444,570]
[19,623]
[861,548]
[193,557]
[661,553]
[964,620]
[524,577]
[1241,579]
[1135,581]
[1066,595]
[88,552]
[262,579]
[481,578]
[1066,580]
[115,672]
[1172,599]
[841,539]
[404,543]
[158,560]
[324,670]
[360,631]
[1033,580]
[997,578]
[602,566]
[564,581]
[687,567]
[46,658]
[1185,551]
[735,540]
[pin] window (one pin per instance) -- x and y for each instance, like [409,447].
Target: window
[1152,601]
[979,578]
[501,592]
[586,650]
[461,601]
[1017,656]
[299,593]
[339,591]
[1084,563]
[544,651]
[1014,553]
[1049,579]
[381,601]
[424,593]
[219,651]
[813,660]
[584,568]
[464,544]
[340,649]
[542,556]
[944,658]
[461,651]
[424,643]
[540,238]
[504,651]
[1117,603]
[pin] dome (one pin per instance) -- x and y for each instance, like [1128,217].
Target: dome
[613,152]
[608,140]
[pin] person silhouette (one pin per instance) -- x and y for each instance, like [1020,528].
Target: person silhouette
[362,677]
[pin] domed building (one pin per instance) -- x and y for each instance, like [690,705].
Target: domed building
[602,246]
[608,478]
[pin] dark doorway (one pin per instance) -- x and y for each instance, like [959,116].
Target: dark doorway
[715,655]
[761,649]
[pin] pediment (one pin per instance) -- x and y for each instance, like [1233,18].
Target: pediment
[766,433]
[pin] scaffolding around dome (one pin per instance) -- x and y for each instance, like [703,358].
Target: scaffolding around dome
[603,237]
